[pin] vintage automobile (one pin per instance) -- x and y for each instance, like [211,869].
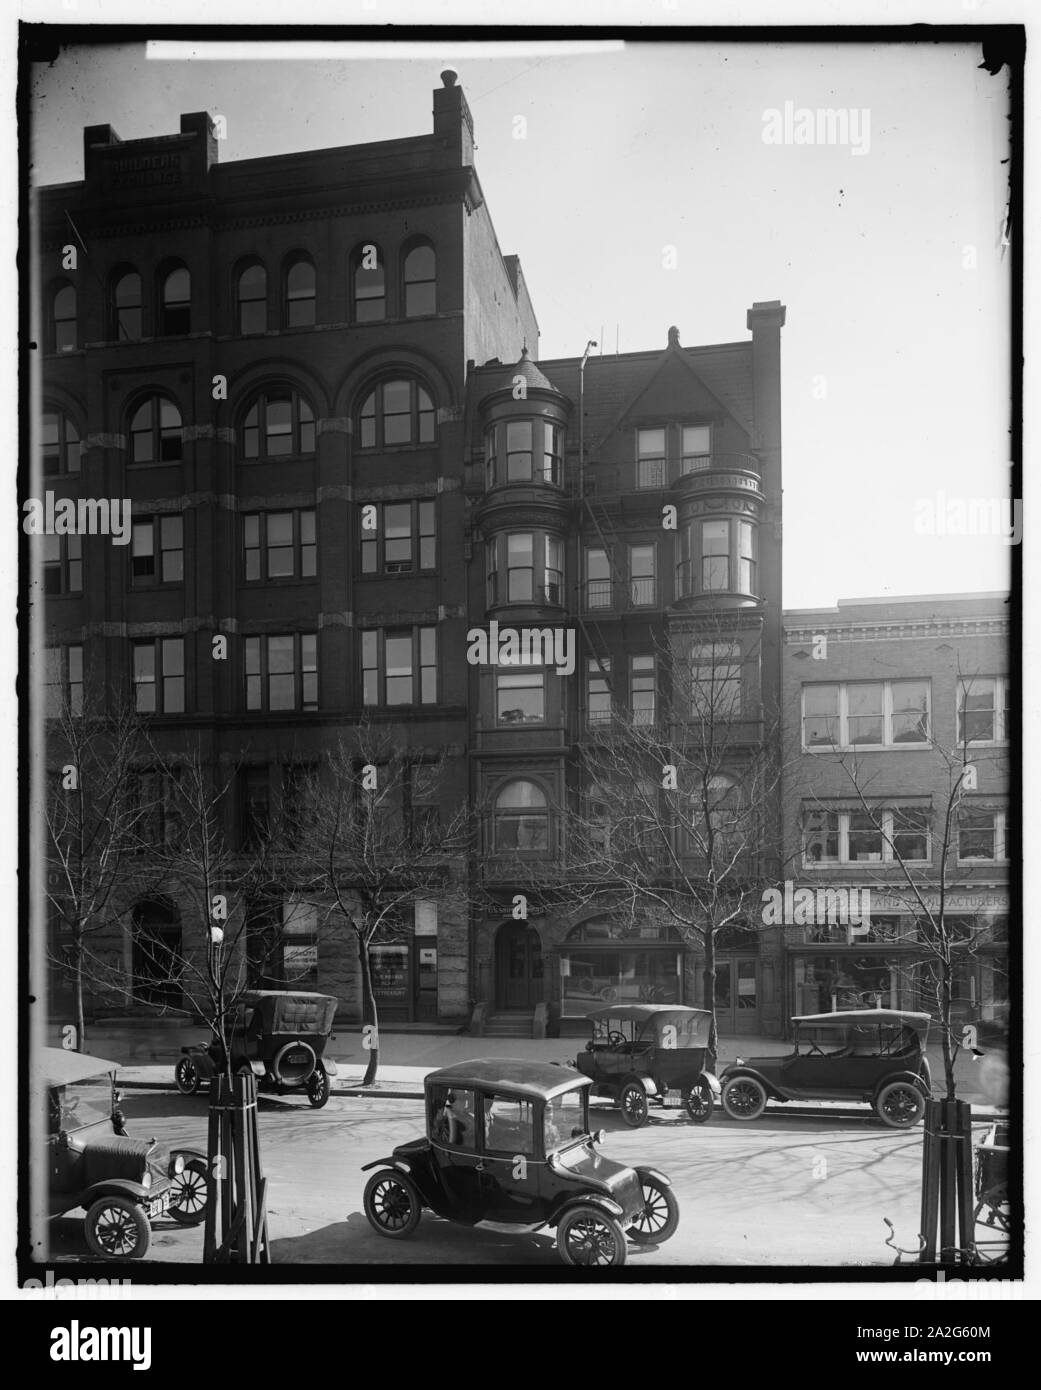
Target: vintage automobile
[872,1055]
[639,1051]
[279,1035]
[508,1142]
[124,1184]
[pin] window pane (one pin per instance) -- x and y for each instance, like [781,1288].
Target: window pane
[173,656]
[695,439]
[650,443]
[910,711]
[865,841]
[279,654]
[252,656]
[865,712]
[398,655]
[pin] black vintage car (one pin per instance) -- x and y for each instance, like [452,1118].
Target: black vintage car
[871,1055]
[508,1142]
[124,1184]
[279,1035]
[640,1051]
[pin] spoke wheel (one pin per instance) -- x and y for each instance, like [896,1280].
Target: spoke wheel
[744,1098]
[660,1215]
[318,1087]
[187,1077]
[190,1194]
[633,1104]
[700,1102]
[392,1203]
[900,1105]
[587,1236]
[117,1229]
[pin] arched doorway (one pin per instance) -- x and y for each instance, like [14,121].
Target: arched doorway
[157,954]
[518,967]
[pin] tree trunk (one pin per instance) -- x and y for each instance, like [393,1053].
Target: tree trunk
[368,1011]
[708,978]
[945,1030]
[77,984]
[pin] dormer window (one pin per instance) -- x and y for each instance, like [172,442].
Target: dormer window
[697,450]
[650,458]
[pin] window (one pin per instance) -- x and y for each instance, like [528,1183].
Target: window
[59,444]
[598,579]
[63,681]
[521,817]
[509,1125]
[696,448]
[420,282]
[127,321]
[299,800]
[254,806]
[282,672]
[404,541]
[63,319]
[643,588]
[982,834]
[532,565]
[650,458]
[598,690]
[368,285]
[399,666]
[251,297]
[522,451]
[552,453]
[866,837]
[279,545]
[299,942]
[422,807]
[642,689]
[746,557]
[518,450]
[155,432]
[155,804]
[716,817]
[298,307]
[984,714]
[176,300]
[520,698]
[157,551]
[715,680]
[858,714]
[715,556]
[278,423]
[158,676]
[62,564]
[453,1117]
[396,413]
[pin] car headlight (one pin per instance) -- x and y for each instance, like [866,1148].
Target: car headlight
[739,1061]
[177,1166]
[146,1179]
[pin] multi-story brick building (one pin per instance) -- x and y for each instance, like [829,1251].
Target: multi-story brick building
[886,700]
[254,353]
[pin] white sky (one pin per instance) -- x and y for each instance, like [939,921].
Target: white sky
[632,149]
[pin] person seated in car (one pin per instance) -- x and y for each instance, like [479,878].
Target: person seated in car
[454,1123]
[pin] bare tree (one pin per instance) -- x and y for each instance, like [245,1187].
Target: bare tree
[381,838]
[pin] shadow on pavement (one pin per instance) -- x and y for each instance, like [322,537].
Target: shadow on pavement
[434,1242]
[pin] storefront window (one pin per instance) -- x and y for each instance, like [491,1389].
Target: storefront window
[389,966]
[825,984]
[605,962]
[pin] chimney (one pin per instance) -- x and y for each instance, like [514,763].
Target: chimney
[766,319]
[97,135]
[452,120]
[200,124]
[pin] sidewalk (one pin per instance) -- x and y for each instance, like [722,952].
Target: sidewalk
[147,1053]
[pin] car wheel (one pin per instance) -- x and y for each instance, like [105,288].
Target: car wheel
[392,1204]
[187,1076]
[588,1236]
[744,1098]
[190,1193]
[319,1087]
[660,1215]
[632,1102]
[900,1105]
[700,1102]
[117,1229]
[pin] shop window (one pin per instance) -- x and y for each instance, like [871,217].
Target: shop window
[299,943]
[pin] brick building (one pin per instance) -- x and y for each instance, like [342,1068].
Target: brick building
[255,352]
[885,701]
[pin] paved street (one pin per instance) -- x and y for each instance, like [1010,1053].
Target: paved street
[785,1190]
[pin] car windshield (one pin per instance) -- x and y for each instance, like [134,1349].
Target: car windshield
[566,1119]
[86,1102]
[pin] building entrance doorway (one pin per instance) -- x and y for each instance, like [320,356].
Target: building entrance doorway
[737,994]
[518,967]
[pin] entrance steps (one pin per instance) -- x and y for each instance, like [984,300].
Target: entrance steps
[509,1025]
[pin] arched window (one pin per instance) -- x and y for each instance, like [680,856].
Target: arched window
[396,412]
[251,297]
[368,284]
[279,422]
[155,432]
[59,444]
[420,281]
[176,303]
[63,319]
[521,817]
[298,309]
[127,325]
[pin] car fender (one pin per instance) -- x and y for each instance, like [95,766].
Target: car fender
[118,1187]
[588,1199]
[418,1172]
[328,1066]
[647,1082]
[655,1173]
[200,1055]
[188,1155]
[713,1082]
[911,1077]
[773,1091]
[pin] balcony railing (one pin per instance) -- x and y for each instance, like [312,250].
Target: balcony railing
[621,596]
